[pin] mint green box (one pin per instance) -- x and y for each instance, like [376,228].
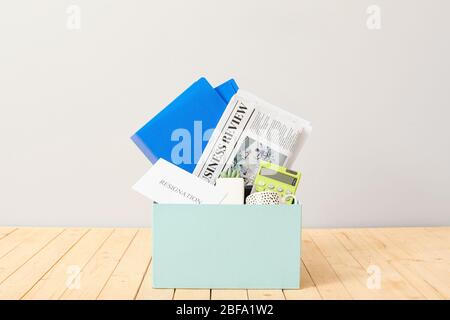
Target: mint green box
[226,246]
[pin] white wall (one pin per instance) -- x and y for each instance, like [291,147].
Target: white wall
[379,101]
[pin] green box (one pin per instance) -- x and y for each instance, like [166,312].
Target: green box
[226,246]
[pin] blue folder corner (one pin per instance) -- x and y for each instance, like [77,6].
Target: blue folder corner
[174,133]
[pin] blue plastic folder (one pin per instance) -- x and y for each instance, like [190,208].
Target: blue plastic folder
[226,246]
[196,110]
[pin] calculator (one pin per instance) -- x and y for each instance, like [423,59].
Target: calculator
[272,177]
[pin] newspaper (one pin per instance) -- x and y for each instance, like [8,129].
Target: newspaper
[251,130]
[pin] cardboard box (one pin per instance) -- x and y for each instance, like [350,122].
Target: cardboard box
[226,246]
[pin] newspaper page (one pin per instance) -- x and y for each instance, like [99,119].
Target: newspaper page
[251,130]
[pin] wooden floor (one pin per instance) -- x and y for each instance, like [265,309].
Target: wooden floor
[52,263]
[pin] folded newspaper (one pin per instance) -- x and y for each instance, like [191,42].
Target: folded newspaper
[251,130]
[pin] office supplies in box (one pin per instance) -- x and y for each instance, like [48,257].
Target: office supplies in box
[197,245]
[196,110]
[271,177]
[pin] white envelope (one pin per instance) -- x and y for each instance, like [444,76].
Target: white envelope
[167,183]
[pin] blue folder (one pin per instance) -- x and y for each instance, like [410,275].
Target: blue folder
[171,131]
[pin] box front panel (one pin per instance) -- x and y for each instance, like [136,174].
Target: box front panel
[226,246]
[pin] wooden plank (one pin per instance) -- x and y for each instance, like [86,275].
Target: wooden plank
[441,242]
[256,294]
[388,249]
[23,279]
[25,250]
[4,231]
[437,274]
[229,294]
[98,270]
[327,282]
[307,291]
[419,243]
[350,272]
[192,294]
[426,282]
[404,263]
[393,284]
[127,277]
[414,264]
[424,262]
[11,241]
[146,292]
[55,281]
[443,233]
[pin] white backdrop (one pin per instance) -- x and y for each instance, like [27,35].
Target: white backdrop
[375,87]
